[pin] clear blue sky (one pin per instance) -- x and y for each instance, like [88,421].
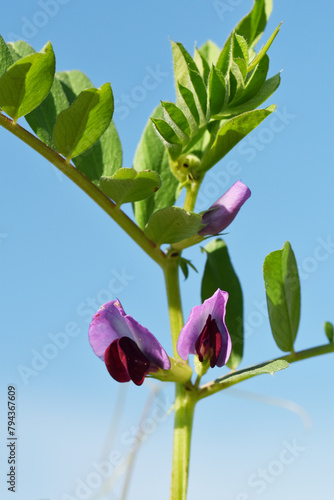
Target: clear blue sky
[60,254]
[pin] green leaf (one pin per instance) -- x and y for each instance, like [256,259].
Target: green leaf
[329,331]
[169,137]
[172,224]
[127,185]
[210,51]
[226,56]
[82,124]
[267,89]
[231,133]
[20,49]
[219,273]
[202,64]
[27,82]
[217,90]
[240,48]
[176,118]
[105,156]
[73,83]
[151,154]
[252,26]
[183,62]
[282,285]
[255,81]
[264,49]
[6,59]
[187,103]
[200,92]
[221,383]
[236,85]
[185,264]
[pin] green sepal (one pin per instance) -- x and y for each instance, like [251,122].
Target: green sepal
[172,224]
[219,273]
[127,185]
[27,82]
[78,127]
[280,274]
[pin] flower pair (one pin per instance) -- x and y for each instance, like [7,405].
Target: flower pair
[131,352]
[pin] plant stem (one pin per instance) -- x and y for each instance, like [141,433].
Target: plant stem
[225,382]
[88,187]
[185,399]
[191,195]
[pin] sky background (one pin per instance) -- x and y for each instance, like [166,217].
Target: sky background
[61,257]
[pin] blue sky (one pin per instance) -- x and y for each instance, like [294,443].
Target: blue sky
[61,255]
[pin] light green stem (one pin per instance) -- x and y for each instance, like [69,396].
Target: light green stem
[224,382]
[185,397]
[191,195]
[88,187]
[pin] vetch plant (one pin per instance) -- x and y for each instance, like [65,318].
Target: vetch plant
[219,92]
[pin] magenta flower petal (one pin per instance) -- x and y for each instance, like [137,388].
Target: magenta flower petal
[224,210]
[199,334]
[129,350]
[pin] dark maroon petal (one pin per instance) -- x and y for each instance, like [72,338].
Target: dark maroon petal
[125,361]
[209,342]
[114,363]
[138,364]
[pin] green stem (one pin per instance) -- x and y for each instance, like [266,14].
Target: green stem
[185,398]
[88,187]
[191,194]
[233,379]
[185,401]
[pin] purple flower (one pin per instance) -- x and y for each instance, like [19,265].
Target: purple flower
[128,349]
[205,332]
[223,211]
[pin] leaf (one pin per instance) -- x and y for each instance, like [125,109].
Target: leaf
[231,133]
[176,118]
[255,81]
[217,90]
[20,49]
[43,119]
[236,85]
[267,89]
[183,62]
[221,383]
[82,124]
[187,103]
[6,59]
[219,273]
[210,51]
[226,56]
[264,49]
[282,285]
[105,156]
[127,185]
[151,154]
[185,264]
[27,82]
[170,139]
[329,331]
[202,64]
[172,224]
[252,26]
